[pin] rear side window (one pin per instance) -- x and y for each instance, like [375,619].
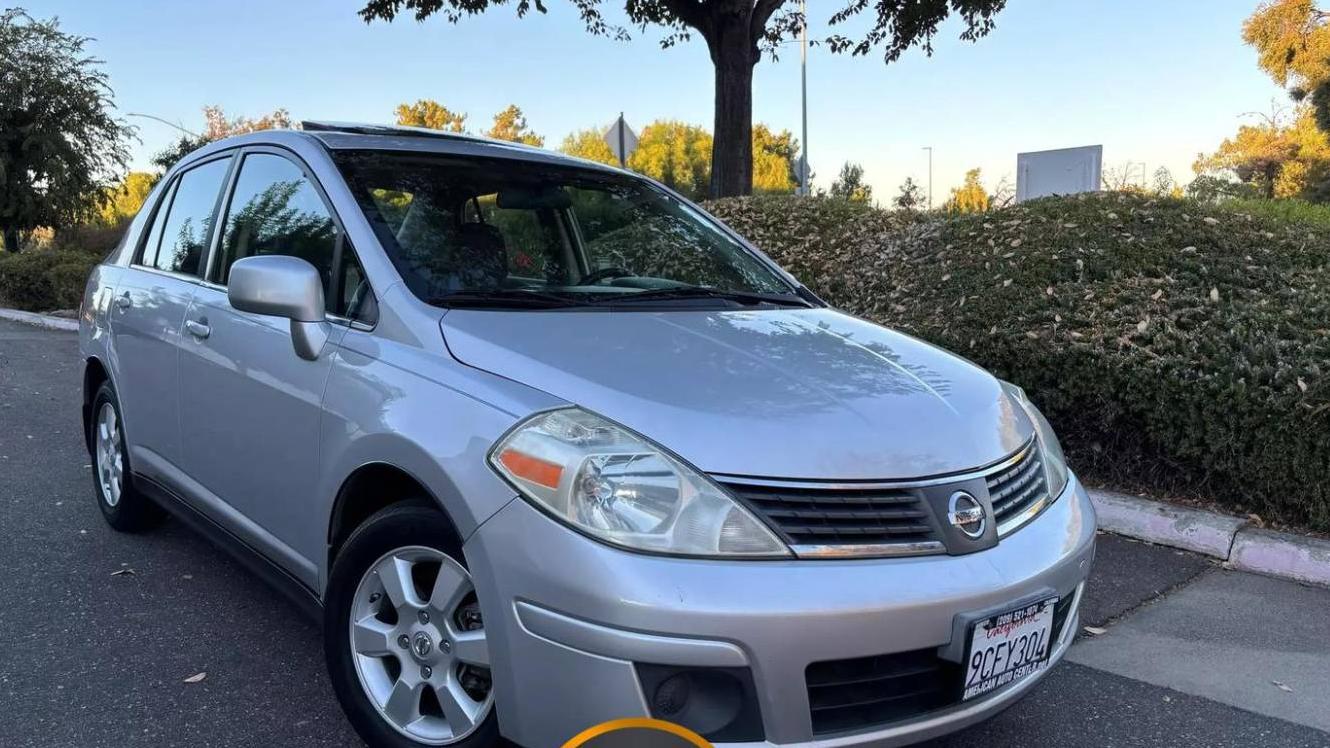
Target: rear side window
[276,211]
[179,235]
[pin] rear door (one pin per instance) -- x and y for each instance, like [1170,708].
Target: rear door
[148,311]
[250,431]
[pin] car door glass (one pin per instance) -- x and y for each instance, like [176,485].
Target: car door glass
[154,232]
[276,210]
[184,233]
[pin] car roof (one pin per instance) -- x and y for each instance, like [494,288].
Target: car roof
[360,136]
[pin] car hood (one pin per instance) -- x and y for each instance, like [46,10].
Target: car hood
[800,394]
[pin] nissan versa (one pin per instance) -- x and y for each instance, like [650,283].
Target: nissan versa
[545,445]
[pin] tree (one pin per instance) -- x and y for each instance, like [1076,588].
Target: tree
[970,197]
[1278,157]
[216,127]
[676,154]
[850,185]
[1292,41]
[431,114]
[589,144]
[122,201]
[510,125]
[59,143]
[775,161]
[910,196]
[737,33]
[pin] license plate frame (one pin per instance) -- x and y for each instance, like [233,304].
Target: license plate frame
[1025,631]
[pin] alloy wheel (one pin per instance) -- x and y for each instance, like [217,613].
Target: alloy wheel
[419,647]
[110,460]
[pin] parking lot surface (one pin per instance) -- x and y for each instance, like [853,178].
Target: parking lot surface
[99,632]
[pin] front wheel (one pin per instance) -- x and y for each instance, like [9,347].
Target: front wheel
[404,638]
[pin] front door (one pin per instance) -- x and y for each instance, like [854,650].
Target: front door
[250,430]
[148,312]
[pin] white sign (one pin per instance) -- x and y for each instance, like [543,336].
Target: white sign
[1066,171]
[622,140]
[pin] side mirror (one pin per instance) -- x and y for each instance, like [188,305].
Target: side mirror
[283,286]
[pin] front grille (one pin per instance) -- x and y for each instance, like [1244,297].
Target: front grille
[847,695]
[811,516]
[1018,487]
[873,692]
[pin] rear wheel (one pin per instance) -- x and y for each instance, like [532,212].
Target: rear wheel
[404,638]
[124,508]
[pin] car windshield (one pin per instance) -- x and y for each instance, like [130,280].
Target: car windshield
[507,233]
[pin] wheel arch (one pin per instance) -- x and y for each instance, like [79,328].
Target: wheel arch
[94,374]
[371,488]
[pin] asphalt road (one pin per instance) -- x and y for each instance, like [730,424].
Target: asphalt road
[1193,655]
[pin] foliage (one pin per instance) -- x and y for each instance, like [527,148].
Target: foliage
[122,201]
[216,127]
[44,280]
[1209,188]
[59,143]
[850,185]
[1278,158]
[1285,211]
[510,125]
[1178,348]
[775,161]
[589,144]
[910,196]
[1292,41]
[737,33]
[431,114]
[970,197]
[676,154]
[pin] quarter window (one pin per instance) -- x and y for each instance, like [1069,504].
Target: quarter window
[180,234]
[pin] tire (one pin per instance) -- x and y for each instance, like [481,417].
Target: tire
[416,671]
[124,507]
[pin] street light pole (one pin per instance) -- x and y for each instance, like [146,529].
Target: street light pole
[929,148]
[803,155]
[168,123]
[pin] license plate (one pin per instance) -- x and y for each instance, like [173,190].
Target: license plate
[1007,647]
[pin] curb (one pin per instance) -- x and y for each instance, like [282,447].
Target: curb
[1230,539]
[40,320]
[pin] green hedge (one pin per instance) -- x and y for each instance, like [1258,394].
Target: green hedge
[1178,348]
[44,280]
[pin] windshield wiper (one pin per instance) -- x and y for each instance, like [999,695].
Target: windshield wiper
[704,292]
[501,298]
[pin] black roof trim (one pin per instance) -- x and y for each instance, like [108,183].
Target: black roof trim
[361,128]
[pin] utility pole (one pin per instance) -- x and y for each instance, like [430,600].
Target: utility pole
[804,187]
[929,148]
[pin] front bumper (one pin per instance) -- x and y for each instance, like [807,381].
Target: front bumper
[568,617]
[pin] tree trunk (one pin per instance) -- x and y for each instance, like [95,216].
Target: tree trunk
[734,55]
[10,236]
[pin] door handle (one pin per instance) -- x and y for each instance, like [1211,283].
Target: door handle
[198,329]
[123,302]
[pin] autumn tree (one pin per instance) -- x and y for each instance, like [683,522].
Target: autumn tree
[675,154]
[1292,41]
[510,125]
[589,144]
[775,161]
[1280,156]
[850,185]
[122,200]
[737,33]
[970,197]
[431,114]
[216,125]
[59,142]
[910,196]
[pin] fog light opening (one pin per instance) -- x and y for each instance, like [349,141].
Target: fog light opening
[717,703]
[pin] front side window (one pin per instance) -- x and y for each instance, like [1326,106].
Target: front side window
[482,230]
[179,235]
[276,210]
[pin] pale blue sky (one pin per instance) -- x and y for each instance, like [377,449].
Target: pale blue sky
[1154,81]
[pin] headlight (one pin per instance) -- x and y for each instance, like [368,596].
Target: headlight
[1055,463]
[616,486]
